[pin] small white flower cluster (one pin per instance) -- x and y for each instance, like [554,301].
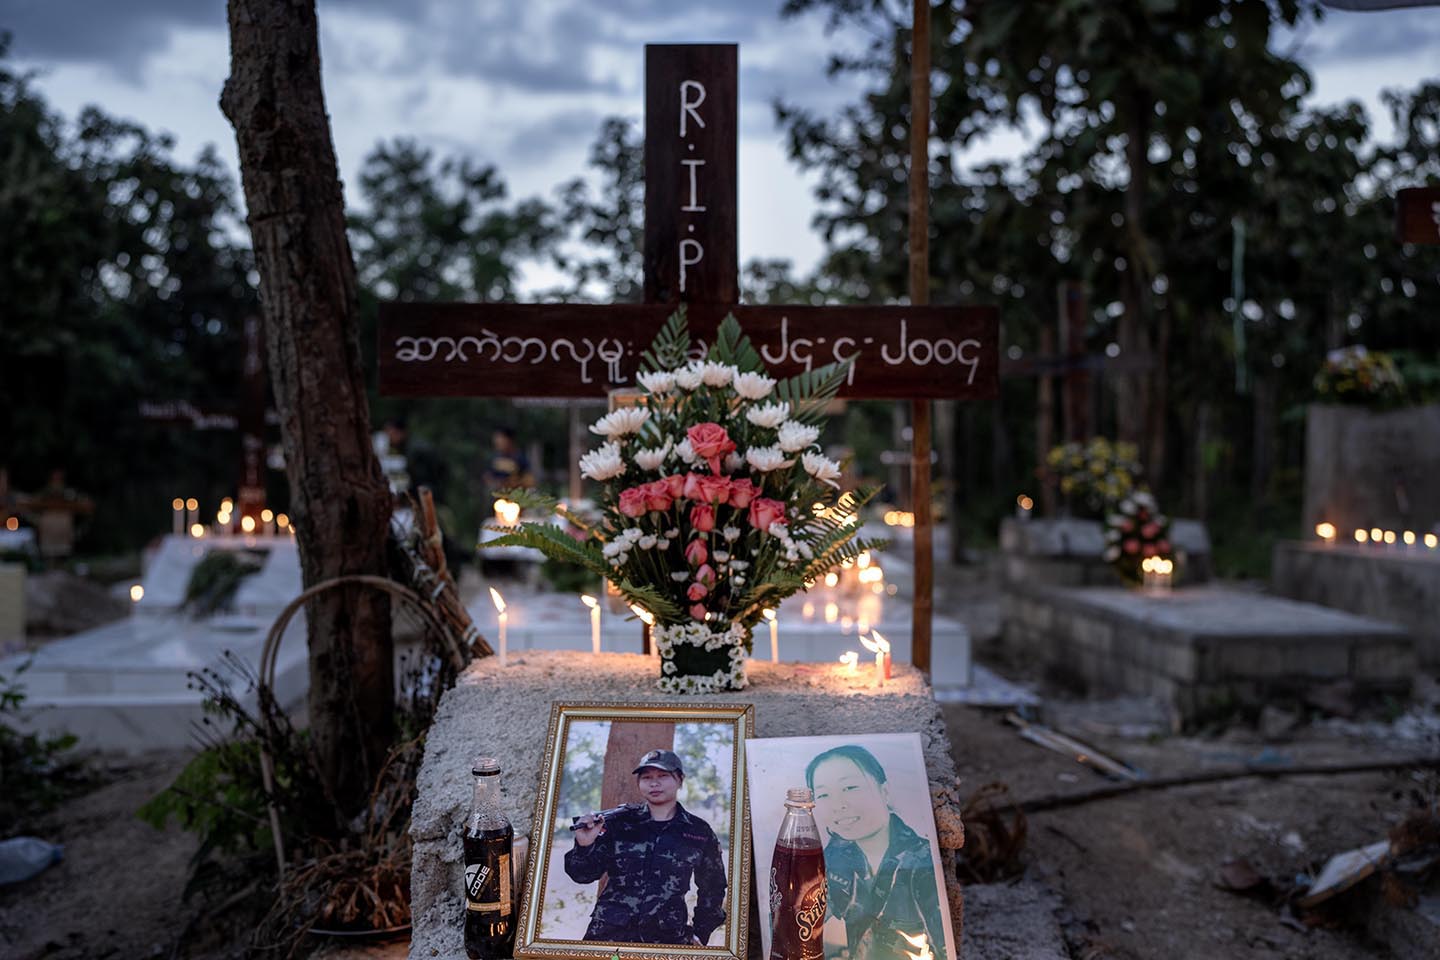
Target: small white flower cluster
[667,638]
[794,549]
[617,551]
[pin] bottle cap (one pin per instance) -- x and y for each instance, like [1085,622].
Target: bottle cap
[799,795]
[485,766]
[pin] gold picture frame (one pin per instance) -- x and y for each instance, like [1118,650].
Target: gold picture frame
[564,910]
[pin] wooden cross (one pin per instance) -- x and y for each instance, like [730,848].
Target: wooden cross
[1417,215]
[570,350]
[249,417]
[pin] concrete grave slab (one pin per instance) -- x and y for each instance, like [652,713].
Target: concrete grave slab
[1200,648]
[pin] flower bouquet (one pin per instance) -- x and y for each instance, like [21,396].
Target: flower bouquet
[1095,475]
[1358,376]
[716,502]
[1135,532]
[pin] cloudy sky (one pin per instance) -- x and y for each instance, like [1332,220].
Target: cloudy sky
[525,83]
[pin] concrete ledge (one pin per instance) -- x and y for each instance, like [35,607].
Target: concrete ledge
[1200,647]
[1393,583]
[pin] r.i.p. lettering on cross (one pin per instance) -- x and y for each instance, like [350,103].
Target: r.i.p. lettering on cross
[692,94]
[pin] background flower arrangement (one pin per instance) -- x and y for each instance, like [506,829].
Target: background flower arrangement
[1359,376]
[716,502]
[1094,476]
[1134,532]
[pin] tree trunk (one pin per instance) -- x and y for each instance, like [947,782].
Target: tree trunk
[340,502]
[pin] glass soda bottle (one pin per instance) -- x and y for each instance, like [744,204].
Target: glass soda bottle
[489,843]
[797,883]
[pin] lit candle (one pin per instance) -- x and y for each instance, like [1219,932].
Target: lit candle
[197,530]
[178,528]
[832,612]
[499,602]
[137,593]
[921,942]
[507,512]
[192,513]
[877,643]
[774,636]
[1361,536]
[1326,532]
[1376,535]
[851,659]
[267,517]
[832,578]
[1409,537]
[594,606]
[1389,538]
[648,619]
[282,522]
[1023,506]
[247,525]
[1432,541]
[1164,573]
[807,612]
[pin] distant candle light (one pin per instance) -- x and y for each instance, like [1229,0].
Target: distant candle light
[197,530]
[137,593]
[1432,541]
[1389,537]
[1325,531]
[1376,534]
[594,606]
[1361,536]
[247,524]
[12,524]
[499,602]
[774,635]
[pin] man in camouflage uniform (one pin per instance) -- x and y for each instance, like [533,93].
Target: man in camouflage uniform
[649,853]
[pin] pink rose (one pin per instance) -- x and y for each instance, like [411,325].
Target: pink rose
[742,492]
[1150,531]
[1164,547]
[1128,526]
[709,440]
[702,517]
[714,489]
[1150,550]
[632,501]
[764,512]
[1130,546]
[697,611]
[657,495]
[674,485]
[697,591]
[691,490]
[705,575]
[695,552]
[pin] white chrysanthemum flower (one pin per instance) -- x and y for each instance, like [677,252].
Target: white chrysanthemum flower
[621,423]
[680,576]
[688,376]
[602,463]
[673,532]
[733,461]
[778,530]
[686,452]
[822,468]
[769,415]
[716,374]
[731,534]
[647,542]
[652,458]
[795,436]
[658,381]
[739,565]
[754,386]
[720,555]
[766,459]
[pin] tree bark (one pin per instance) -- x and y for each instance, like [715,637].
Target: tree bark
[340,501]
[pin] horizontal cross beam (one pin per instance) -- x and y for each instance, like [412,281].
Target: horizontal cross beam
[570,350]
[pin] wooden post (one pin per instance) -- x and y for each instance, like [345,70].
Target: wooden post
[920,296]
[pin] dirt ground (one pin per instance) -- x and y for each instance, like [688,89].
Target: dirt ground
[1138,875]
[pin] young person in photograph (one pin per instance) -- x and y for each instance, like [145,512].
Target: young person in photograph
[880,872]
[650,852]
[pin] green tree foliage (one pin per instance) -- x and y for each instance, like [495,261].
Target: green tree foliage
[1152,128]
[124,280]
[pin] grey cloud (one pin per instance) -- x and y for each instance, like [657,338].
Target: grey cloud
[535,141]
[121,35]
[1348,37]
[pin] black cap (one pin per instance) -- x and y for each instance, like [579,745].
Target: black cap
[484,766]
[661,760]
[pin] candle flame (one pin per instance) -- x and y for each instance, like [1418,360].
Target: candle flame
[1431,540]
[498,600]
[883,645]
[769,614]
[832,578]
[1409,537]
[137,593]
[1024,502]
[589,601]
[247,524]
[282,521]
[1325,530]
[646,617]
[921,942]
[507,512]
[192,504]
[267,515]
[197,530]
[1361,536]
[178,504]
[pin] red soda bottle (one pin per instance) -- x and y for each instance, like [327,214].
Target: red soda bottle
[797,883]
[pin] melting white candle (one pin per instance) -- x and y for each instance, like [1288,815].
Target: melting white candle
[594,606]
[774,636]
[877,644]
[851,660]
[499,602]
[178,506]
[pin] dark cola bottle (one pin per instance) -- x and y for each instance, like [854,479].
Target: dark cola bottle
[489,845]
[797,884]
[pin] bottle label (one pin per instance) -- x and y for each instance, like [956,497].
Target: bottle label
[487,886]
[810,917]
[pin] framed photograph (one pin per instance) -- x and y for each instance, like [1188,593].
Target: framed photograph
[884,884]
[640,846]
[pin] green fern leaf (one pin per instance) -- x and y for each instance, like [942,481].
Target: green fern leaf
[809,392]
[555,543]
[671,344]
[732,346]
